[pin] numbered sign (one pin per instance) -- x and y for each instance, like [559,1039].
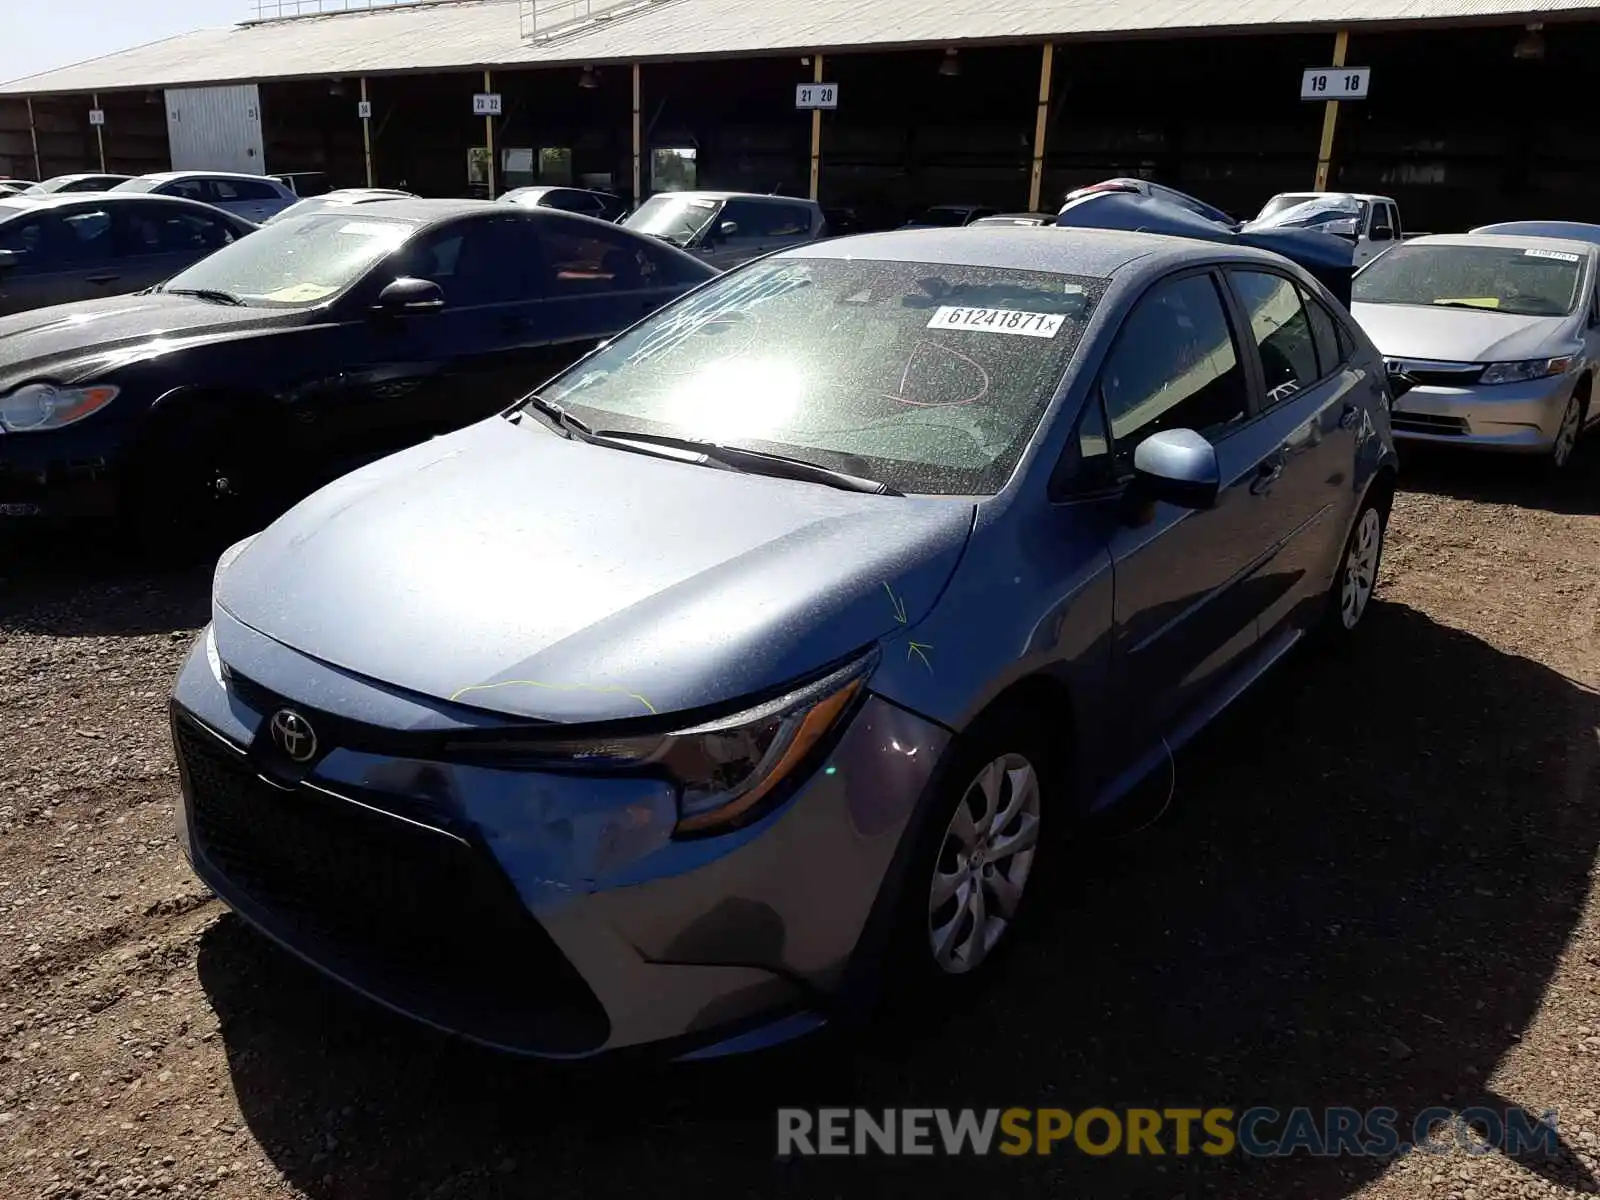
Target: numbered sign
[486,104]
[816,95]
[97,116]
[364,110]
[1334,83]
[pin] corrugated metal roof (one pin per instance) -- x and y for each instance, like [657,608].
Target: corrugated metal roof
[487,33]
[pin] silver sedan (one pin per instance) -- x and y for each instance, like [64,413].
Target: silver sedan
[1499,334]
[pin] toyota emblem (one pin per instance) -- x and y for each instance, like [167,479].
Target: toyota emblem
[293,734]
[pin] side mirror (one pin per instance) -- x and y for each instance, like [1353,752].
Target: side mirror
[411,295]
[1399,384]
[1381,233]
[8,261]
[1177,466]
[727,229]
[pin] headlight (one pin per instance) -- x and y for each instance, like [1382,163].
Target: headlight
[1521,372]
[724,769]
[39,406]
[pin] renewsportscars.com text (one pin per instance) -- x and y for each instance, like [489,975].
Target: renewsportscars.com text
[1258,1132]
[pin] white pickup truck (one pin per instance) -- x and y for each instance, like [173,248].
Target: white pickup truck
[1372,223]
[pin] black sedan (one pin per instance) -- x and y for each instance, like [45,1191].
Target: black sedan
[303,348]
[64,247]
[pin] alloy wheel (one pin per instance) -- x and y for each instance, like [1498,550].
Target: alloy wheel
[983,864]
[1361,567]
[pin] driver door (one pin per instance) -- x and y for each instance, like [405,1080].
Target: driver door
[1184,611]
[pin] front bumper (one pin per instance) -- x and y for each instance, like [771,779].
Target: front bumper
[63,475]
[1515,417]
[544,914]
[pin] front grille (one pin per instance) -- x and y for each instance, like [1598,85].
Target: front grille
[414,916]
[1405,422]
[1447,376]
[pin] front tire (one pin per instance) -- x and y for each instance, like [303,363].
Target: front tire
[977,863]
[1567,433]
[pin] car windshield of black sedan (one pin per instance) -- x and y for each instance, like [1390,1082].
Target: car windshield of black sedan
[1526,281]
[296,263]
[929,377]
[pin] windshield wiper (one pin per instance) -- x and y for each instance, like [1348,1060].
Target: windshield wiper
[755,462]
[1463,304]
[559,418]
[212,294]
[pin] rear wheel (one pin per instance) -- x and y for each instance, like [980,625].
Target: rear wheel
[1357,576]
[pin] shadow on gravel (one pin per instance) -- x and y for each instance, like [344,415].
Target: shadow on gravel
[1506,478]
[94,588]
[1357,898]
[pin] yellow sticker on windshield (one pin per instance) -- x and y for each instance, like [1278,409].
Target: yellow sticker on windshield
[997,320]
[1474,301]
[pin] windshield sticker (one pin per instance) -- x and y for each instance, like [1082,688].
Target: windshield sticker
[997,320]
[1558,255]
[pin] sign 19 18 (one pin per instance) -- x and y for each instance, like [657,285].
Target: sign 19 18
[1335,83]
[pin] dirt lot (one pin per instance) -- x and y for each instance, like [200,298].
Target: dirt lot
[1375,886]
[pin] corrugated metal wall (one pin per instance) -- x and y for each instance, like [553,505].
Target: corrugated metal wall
[216,129]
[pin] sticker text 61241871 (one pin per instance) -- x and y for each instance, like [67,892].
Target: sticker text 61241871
[997,320]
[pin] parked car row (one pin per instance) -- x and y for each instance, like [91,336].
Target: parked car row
[720,590]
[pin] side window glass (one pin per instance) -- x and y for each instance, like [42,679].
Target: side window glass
[88,240]
[477,262]
[1325,334]
[247,190]
[189,189]
[1174,366]
[1394,221]
[579,261]
[136,232]
[785,220]
[29,241]
[1281,331]
[745,215]
[225,190]
[1094,469]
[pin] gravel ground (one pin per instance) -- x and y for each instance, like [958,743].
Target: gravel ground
[1374,886]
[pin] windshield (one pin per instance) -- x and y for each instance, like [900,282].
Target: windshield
[297,263]
[1330,214]
[1288,200]
[144,184]
[931,378]
[1528,281]
[678,219]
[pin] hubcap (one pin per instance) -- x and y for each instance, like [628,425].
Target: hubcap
[984,863]
[1361,568]
[1567,435]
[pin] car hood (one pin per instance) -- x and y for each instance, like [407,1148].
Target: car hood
[70,342]
[506,568]
[1459,334]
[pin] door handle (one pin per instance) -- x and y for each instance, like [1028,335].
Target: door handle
[1350,416]
[104,278]
[1266,475]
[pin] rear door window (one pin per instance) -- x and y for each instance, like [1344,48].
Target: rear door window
[1281,330]
[30,239]
[89,237]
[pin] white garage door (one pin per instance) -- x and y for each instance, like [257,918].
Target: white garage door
[216,129]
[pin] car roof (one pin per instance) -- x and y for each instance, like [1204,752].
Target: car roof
[420,210]
[63,199]
[1509,241]
[1314,195]
[212,175]
[714,195]
[1575,230]
[1096,253]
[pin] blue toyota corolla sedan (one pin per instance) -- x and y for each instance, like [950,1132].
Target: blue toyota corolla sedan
[759,660]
